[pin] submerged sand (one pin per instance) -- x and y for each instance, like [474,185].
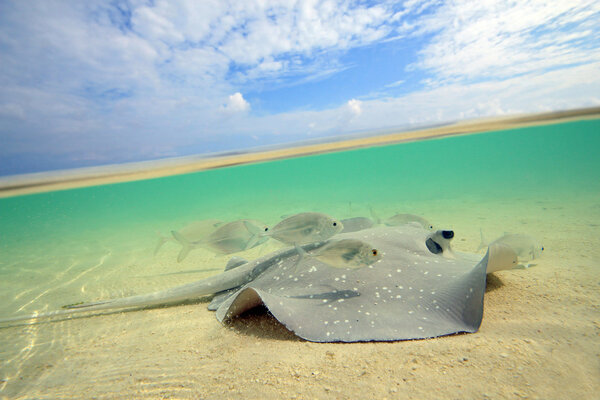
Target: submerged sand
[539,338]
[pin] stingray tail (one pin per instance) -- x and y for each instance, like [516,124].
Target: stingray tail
[173,295]
[483,244]
[186,246]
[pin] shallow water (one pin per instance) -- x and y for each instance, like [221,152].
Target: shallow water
[92,243]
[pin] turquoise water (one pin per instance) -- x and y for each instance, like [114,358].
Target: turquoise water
[89,243]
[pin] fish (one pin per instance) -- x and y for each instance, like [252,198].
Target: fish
[192,232]
[411,293]
[403,219]
[226,239]
[344,253]
[526,247]
[356,224]
[302,228]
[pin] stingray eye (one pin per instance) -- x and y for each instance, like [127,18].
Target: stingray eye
[335,224]
[266,229]
[374,252]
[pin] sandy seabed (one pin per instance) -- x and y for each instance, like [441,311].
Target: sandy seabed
[539,338]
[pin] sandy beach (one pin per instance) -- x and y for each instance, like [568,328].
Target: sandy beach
[538,339]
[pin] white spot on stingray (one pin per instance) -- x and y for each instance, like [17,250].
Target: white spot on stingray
[434,301]
[370,266]
[312,269]
[384,288]
[337,279]
[290,276]
[398,296]
[334,308]
[329,305]
[420,328]
[398,270]
[281,303]
[326,322]
[295,279]
[425,273]
[432,292]
[343,276]
[336,322]
[411,312]
[437,307]
[346,321]
[400,287]
[421,290]
[324,300]
[328,333]
[389,275]
[367,313]
[340,300]
[471,290]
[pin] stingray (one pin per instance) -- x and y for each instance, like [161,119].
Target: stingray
[419,289]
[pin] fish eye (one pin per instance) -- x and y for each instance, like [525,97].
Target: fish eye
[542,249]
[266,229]
[374,252]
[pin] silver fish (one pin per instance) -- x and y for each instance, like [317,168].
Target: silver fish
[404,219]
[344,253]
[304,228]
[194,231]
[226,239]
[526,247]
[356,224]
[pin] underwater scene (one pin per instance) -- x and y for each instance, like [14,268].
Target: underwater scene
[531,194]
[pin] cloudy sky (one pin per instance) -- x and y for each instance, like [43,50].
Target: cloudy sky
[95,82]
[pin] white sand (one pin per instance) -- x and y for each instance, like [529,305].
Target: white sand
[539,336]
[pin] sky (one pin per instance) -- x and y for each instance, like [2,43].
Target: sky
[86,83]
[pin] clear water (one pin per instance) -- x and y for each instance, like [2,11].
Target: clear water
[85,244]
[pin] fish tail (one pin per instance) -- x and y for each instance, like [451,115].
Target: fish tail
[161,240]
[374,215]
[483,243]
[186,245]
[302,254]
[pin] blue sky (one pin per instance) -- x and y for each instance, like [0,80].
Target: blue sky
[97,82]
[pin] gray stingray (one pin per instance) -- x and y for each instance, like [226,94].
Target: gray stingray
[412,292]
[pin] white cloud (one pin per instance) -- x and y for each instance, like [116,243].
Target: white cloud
[236,103]
[498,39]
[355,107]
[396,83]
